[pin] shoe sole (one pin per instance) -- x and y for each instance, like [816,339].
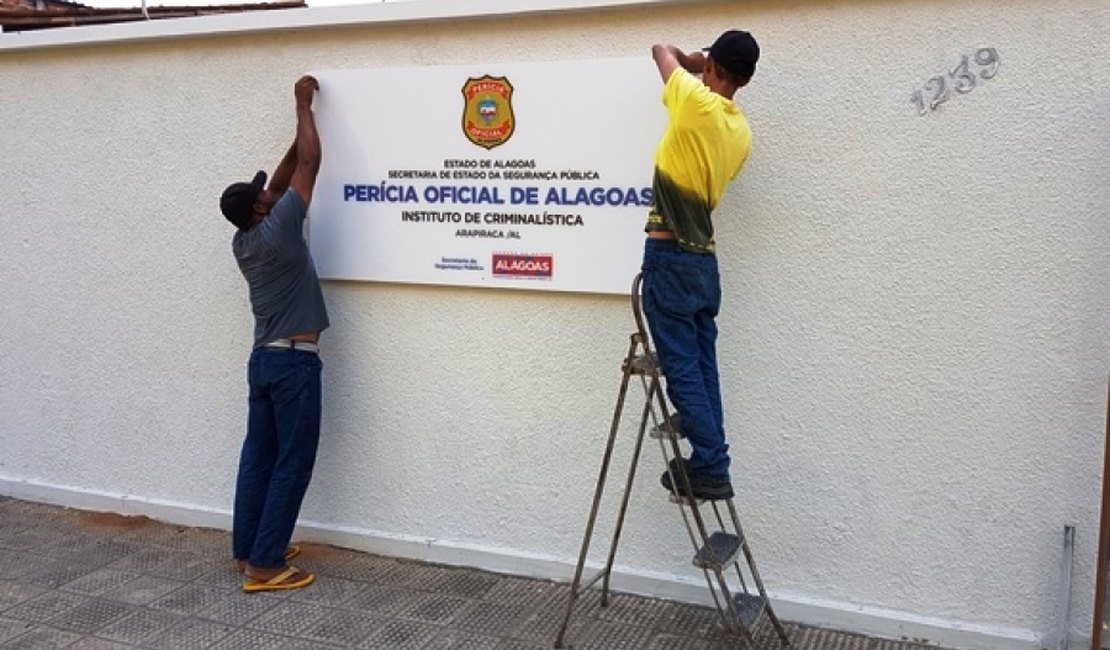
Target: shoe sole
[698,494]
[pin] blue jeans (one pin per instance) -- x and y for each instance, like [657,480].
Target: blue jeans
[681,298]
[275,466]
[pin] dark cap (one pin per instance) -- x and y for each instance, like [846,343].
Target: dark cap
[737,52]
[237,201]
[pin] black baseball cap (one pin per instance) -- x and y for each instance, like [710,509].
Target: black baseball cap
[237,201]
[737,52]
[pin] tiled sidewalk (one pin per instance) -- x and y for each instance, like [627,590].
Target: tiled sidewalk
[89,581]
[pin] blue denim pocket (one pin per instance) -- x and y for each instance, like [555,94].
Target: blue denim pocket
[675,289]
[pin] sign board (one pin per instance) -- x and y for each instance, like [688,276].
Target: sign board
[519,175]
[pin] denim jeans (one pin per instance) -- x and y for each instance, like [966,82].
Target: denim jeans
[275,466]
[681,298]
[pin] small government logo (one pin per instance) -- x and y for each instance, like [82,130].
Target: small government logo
[488,119]
[521,265]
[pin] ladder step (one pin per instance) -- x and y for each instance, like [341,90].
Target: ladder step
[721,551]
[662,431]
[749,607]
[642,364]
[682,500]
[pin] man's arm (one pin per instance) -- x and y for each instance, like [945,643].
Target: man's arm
[669,58]
[279,180]
[307,144]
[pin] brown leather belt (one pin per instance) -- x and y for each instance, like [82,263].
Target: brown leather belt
[661,234]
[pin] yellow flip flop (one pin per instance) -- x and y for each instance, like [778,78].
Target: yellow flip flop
[281,581]
[291,552]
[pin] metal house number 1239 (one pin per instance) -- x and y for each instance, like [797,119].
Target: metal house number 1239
[963,79]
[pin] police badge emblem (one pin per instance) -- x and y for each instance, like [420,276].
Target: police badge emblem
[488,119]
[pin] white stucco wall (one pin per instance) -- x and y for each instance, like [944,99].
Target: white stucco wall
[913,344]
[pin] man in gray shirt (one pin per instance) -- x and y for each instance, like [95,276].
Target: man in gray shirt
[283,427]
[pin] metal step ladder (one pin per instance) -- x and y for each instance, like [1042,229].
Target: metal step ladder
[716,552]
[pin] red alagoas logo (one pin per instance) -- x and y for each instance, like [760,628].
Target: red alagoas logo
[523,266]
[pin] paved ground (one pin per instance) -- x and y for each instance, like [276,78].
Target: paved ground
[88,581]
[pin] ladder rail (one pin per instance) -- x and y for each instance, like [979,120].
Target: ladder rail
[743,540]
[768,610]
[598,492]
[623,509]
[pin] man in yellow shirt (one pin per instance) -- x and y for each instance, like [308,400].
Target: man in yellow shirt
[705,144]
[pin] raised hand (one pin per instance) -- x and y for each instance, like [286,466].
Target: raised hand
[304,89]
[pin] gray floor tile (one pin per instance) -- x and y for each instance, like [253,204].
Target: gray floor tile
[328,591]
[498,619]
[544,624]
[342,627]
[105,552]
[606,635]
[58,573]
[27,512]
[767,636]
[815,639]
[222,574]
[685,620]
[632,610]
[189,568]
[886,644]
[190,634]
[521,591]
[433,608]
[412,576]
[190,599]
[94,643]
[365,568]
[382,599]
[169,537]
[21,564]
[142,560]
[33,538]
[67,544]
[256,640]
[10,628]
[451,639]
[140,625]
[211,543]
[45,607]
[465,583]
[41,638]
[99,582]
[401,635]
[329,560]
[89,617]
[14,593]
[288,618]
[517,644]
[143,590]
[234,607]
[682,642]
[95,581]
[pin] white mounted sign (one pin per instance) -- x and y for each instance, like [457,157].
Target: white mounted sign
[523,175]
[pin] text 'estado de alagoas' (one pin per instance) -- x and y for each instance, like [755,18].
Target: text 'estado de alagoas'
[491,195]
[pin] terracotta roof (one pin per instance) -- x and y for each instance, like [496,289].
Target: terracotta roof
[24,15]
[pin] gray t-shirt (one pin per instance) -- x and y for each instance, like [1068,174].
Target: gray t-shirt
[285,293]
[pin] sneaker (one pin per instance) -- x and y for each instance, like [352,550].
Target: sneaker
[702,486]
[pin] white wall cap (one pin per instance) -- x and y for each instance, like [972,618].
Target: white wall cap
[301,19]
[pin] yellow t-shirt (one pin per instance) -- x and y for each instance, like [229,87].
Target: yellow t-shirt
[704,146]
